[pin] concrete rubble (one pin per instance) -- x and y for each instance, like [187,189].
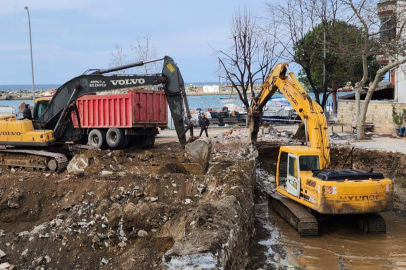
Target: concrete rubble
[115,209]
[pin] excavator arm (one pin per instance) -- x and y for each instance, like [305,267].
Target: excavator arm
[309,111]
[58,112]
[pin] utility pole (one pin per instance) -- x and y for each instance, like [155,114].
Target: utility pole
[32,62]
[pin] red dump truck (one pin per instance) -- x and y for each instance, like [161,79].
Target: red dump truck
[115,121]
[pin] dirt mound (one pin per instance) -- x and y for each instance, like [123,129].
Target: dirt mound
[146,208]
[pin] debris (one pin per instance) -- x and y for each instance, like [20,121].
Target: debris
[106,173]
[2,254]
[142,233]
[5,266]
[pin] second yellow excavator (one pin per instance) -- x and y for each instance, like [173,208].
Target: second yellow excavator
[306,186]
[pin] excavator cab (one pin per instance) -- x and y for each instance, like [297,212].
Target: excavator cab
[40,104]
[292,162]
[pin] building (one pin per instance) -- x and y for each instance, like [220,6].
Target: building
[380,107]
[211,88]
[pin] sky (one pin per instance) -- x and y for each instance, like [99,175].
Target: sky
[70,36]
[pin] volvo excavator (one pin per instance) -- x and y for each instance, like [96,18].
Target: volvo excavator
[37,143]
[307,189]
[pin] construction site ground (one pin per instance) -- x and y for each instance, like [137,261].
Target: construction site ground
[136,209]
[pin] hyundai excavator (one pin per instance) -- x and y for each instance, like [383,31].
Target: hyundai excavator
[307,189]
[37,143]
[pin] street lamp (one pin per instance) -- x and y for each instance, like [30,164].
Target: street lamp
[32,63]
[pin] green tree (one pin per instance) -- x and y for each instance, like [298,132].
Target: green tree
[342,63]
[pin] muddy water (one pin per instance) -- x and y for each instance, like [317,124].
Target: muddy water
[339,245]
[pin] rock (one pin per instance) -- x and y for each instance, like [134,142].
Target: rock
[104,261]
[5,266]
[122,244]
[129,210]
[13,170]
[144,157]
[149,154]
[2,254]
[115,214]
[142,233]
[78,164]
[24,253]
[38,261]
[47,259]
[201,188]
[154,199]
[106,173]
[122,174]
[199,151]
[154,162]
[188,201]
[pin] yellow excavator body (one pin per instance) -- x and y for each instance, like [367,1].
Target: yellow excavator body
[304,176]
[343,196]
[22,132]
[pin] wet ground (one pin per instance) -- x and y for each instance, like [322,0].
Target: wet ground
[339,246]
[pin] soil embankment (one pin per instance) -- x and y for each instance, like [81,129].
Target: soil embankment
[130,210]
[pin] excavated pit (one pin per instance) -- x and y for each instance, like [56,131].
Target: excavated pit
[131,210]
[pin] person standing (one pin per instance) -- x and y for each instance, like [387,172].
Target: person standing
[27,114]
[204,125]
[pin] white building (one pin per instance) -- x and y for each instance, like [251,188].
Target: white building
[386,9]
[211,88]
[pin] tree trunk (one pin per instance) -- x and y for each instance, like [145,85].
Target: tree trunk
[334,97]
[360,136]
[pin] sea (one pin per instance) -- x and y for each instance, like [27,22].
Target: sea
[203,102]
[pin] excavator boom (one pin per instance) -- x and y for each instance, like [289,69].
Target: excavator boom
[309,111]
[58,112]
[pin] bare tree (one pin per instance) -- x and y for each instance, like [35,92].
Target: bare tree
[253,53]
[384,36]
[142,50]
[119,58]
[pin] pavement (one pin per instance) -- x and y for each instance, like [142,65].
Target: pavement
[169,135]
[378,143]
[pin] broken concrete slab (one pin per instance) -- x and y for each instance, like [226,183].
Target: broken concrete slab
[78,164]
[199,153]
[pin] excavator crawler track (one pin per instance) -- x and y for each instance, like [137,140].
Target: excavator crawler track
[371,223]
[297,215]
[34,159]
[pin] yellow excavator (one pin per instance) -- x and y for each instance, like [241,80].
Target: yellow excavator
[307,189]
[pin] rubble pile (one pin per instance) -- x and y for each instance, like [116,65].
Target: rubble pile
[129,209]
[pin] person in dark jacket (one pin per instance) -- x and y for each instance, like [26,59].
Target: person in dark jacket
[204,125]
[27,112]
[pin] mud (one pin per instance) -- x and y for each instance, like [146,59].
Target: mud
[340,245]
[130,210]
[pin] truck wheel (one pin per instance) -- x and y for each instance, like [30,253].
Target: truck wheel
[151,141]
[142,142]
[97,138]
[126,141]
[114,137]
